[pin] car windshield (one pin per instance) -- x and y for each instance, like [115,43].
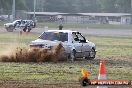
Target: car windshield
[52,36]
[15,21]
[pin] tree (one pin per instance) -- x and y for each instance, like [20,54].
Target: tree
[70,6]
[5,4]
[120,6]
[123,6]
[108,6]
[89,6]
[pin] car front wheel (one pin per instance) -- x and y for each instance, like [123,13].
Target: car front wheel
[9,29]
[92,54]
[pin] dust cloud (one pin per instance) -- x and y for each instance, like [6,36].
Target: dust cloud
[26,54]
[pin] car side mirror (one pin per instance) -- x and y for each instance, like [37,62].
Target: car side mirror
[83,41]
[76,39]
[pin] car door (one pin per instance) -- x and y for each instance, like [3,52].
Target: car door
[77,45]
[85,48]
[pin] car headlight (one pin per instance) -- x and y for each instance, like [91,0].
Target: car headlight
[5,25]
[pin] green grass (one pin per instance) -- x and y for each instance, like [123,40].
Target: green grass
[3,22]
[115,50]
[8,40]
[109,46]
[61,72]
[78,25]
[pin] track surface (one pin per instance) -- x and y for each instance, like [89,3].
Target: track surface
[105,32]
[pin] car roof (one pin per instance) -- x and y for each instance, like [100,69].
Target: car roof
[68,31]
[16,20]
[23,20]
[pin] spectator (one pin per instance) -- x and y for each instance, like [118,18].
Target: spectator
[60,27]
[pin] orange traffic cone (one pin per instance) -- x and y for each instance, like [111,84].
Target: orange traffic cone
[27,33]
[102,75]
[20,33]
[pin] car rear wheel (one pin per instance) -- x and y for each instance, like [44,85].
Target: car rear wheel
[73,55]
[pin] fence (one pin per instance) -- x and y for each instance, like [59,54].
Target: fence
[7,14]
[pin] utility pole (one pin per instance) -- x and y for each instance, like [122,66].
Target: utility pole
[131,11]
[34,17]
[13,10]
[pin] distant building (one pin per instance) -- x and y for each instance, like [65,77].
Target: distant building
[90,18]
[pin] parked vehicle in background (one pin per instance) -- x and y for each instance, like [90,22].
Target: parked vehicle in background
[74,43]
[3,17]
[25,25]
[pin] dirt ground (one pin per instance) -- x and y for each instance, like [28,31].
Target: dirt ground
[15,84]
[29,84]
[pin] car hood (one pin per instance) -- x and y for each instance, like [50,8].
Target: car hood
[91,44]
[8,24]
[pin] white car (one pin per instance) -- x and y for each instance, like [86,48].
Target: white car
[74,43]
[23,24]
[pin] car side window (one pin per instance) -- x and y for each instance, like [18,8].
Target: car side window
[63,37]
[18,22]
[75,37]
[81,38]
[60,36]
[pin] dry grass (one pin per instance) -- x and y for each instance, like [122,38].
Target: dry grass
[25,54]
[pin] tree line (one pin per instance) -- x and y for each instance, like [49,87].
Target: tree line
[70,6]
